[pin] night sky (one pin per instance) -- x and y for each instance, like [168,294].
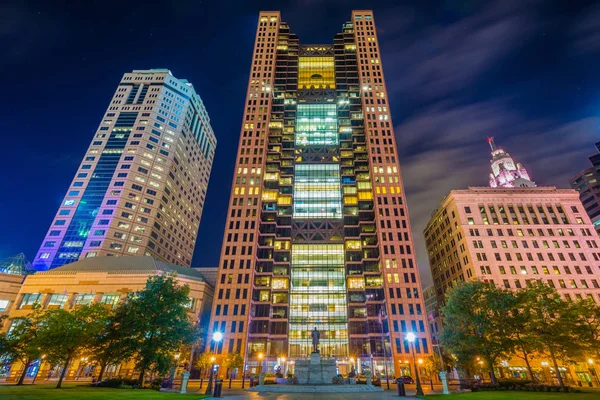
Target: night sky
[525,72]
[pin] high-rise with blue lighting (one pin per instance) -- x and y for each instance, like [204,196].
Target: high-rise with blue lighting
[141,186]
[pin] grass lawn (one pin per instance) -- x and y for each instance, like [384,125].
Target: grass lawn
[84,392]
[590,394]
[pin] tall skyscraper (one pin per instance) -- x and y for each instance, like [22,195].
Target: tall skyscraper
[141,186]
[317,233]
[587,183]
[505,171]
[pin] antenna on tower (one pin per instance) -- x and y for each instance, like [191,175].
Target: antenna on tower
[491,142]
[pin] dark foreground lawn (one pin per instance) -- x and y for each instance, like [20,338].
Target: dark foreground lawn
[589,394]
[84,392]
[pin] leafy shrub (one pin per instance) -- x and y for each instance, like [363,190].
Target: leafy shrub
[118,383]
[269,378]
[155,384]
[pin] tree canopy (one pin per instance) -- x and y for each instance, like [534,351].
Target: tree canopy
[482,320]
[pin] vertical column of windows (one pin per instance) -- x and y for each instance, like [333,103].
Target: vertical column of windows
[401,276]
[234,287]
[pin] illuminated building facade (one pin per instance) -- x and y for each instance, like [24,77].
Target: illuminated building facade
[141,186]
[505,171]
[587,183]
[317,233]
[512,236]
[98,280]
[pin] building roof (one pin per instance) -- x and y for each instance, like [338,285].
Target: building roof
[125,265]
[209,273]
[17,265]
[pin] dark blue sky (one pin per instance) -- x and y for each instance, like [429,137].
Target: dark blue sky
[525,72]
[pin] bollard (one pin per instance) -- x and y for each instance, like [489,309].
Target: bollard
[401,389]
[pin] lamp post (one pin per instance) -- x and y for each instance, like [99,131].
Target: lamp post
[593,370]
[544,366]
[262,366]
[411,338]
[216,338]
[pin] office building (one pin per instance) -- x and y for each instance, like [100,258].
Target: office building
[141,185]
[317,233]
[512,236]
[586,183]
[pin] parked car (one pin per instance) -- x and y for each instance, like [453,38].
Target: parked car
[405,379]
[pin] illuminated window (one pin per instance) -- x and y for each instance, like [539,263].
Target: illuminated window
[110,299]
[30,300]
[58,300]
[353,245]
[317,191]
[270,195]
[316,73]
[84,299]
[280,283]
[318,298]
[316,124]
[356,283]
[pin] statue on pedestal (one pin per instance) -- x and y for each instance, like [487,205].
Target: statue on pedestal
[316,335]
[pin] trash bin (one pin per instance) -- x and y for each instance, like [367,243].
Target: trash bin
[218,388]
[401,390]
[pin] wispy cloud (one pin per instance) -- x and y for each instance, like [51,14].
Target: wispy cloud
[586,31]
[435,73]
[444,148]
[436,61]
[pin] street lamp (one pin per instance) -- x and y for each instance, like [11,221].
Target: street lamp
[216,338]
[544,366]
[284,366]
[411,338]
[260,357]
[593,370]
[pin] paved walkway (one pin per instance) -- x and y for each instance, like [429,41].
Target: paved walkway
[240,394]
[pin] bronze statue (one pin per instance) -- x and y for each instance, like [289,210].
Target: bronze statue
[316,335]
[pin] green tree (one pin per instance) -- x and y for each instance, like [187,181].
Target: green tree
[558,325]
[113,343]
[21,341]
[65,335]
[157,316]
[590,312]
[203,362]
[520,330]
[474,323]
[231,362]
[432,365]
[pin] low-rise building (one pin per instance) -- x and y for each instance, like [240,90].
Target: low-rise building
[12,274]
[105,280]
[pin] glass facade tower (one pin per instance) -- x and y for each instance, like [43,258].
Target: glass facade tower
[317,233]
[141,186]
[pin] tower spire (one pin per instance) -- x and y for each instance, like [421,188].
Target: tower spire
[505,171]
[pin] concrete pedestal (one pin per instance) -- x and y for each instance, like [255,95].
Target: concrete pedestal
[315,371]
[444,382]
[184,382]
